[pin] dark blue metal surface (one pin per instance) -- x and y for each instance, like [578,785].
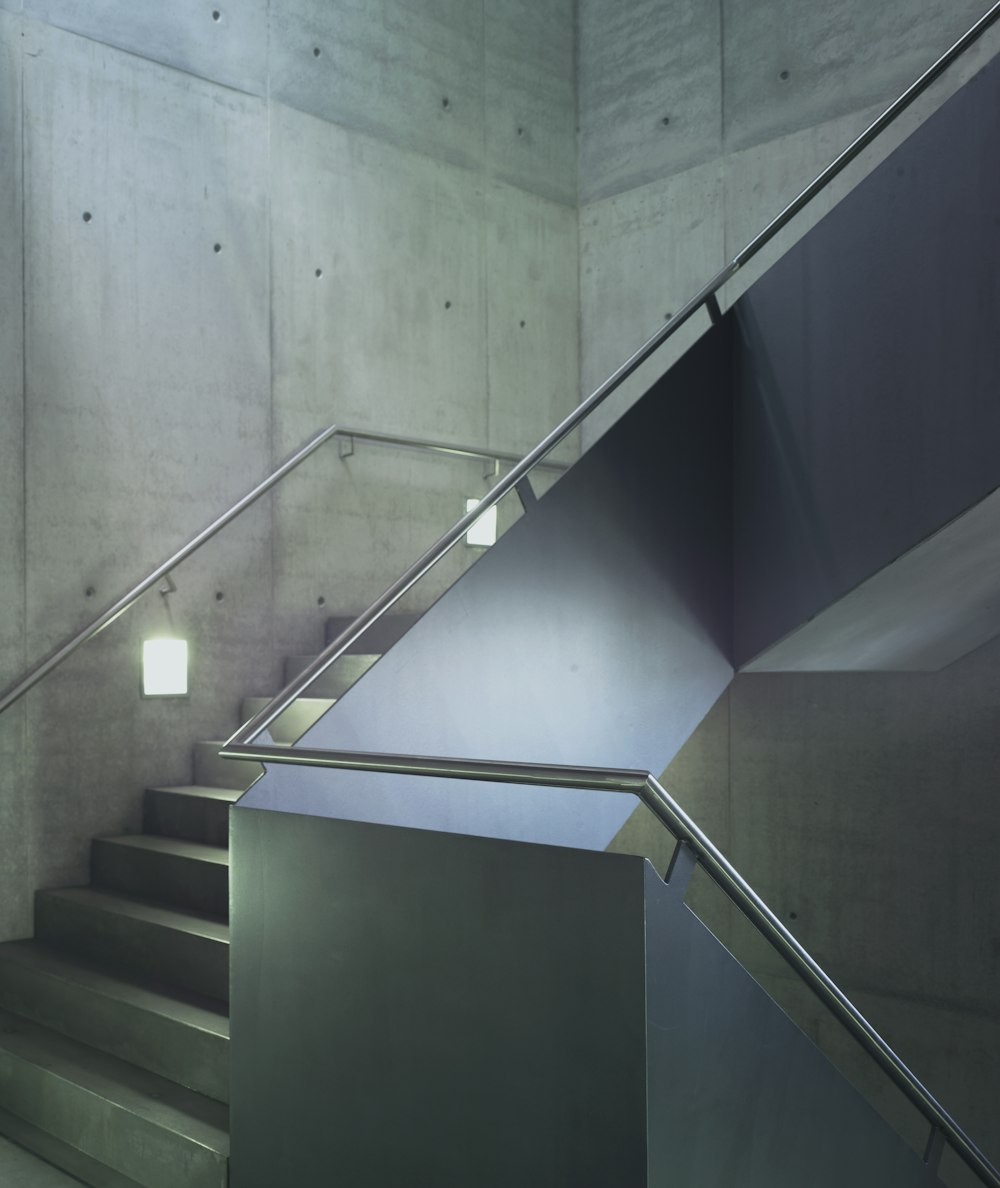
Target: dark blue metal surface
[867,370]
[597,630]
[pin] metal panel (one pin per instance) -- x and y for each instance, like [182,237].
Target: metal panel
[533,311]
[416,1008]
[596,631]
[226,43]
[737,1094]
[868,365]
[410,73]
[788,66]
[650,93]
[948,584]
[531,96]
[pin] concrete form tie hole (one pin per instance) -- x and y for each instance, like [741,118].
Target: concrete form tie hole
[217,248]
[520,131]
[89,592]
[522,323]
[316,51]
[446,102]
[447,305]
[216,15]
[87,216]
[319,273]
[219,595]
[784,76]
[321,601]
[665,121]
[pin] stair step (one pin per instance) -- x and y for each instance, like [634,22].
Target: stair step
[180,1037]
[60,1155]
[338,678]
[140,1125]
[210,771]
[193,811]
[184,874]
[137,939]
[378,638]
[289,726]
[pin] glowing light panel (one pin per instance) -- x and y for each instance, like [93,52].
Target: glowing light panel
[164,668]
[484,531]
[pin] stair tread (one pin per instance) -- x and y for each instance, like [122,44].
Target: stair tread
[184,1006]
[196,923]
[202,791]
[303,701]
[198,1119]
[175,846]
[206,759]
[355,659]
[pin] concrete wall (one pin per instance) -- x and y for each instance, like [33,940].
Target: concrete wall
[862,807]
[698,123]
[243,224]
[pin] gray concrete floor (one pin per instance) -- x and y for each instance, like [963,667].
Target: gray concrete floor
[20,1169]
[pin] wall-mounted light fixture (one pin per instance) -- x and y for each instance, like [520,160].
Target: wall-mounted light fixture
[165,657]
[164,667]
[483,532]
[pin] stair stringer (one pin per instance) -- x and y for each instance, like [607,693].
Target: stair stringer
[596,631]
[866,366]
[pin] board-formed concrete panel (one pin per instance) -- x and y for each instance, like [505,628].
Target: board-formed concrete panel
[378,286]
[379,322]
[862,810]
[531,96]
[147,415]
[146,316]
[226,43]
[642,255]
[788,65]
[650,91]
[408,73]
[533,335]
[15,903]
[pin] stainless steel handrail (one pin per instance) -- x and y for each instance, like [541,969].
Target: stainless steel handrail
[446,449]
[656,798]
[31,678]
[65,650]
[389,597]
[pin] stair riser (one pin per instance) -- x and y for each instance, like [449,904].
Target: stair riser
[165,955]
[214,772]
[148,1154]
[61,1155]
[184,883]
[193,818]
[337,679]
[188,1055]
[378,638]
[288,727]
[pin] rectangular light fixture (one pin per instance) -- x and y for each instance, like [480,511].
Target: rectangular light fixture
[164,668]
[484,531]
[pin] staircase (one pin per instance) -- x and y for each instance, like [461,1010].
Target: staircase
[114,1026]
